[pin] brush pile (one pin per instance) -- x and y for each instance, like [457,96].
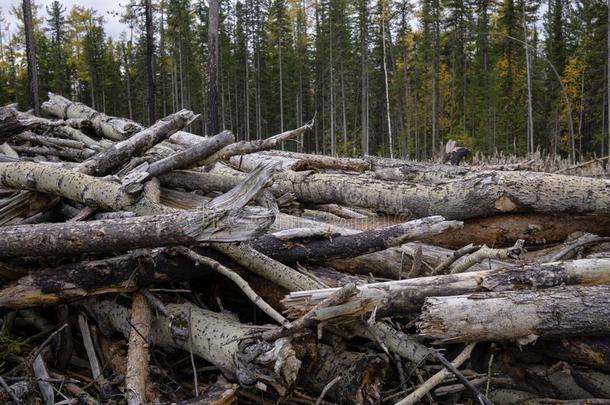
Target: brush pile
[152,265]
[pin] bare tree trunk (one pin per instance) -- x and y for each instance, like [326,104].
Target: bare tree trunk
[30,48]
[435,76]
[385,76]
[608,79]
[150,49]
[530,115]
[214,10]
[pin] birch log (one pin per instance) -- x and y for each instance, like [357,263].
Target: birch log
[521,316]
[477,195]
[216,337]
[114,128]
[396,298]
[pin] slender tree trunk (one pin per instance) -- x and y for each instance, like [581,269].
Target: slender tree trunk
[333,135]
[280,44]
[30,48]
[530,115]
[385,76]
[436,76]
[364,110]
[608,78]
[214,9]
[150,49]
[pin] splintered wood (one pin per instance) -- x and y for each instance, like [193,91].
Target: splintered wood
[153,265]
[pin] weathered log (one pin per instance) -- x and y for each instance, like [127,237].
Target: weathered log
[180,160]
[49,140]
[246,147]
[395,298]
[76,186]
[216,337]
[121,152]
[138,355]
[521,316]
[477,195]
[322,250]
[179,228]
[114,128]
[76,155]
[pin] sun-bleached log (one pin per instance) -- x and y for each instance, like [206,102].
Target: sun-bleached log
[522,316]
[396,298]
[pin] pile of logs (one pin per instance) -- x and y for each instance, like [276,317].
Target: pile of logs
[153,265]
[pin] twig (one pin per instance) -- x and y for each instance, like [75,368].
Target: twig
[437,378]
[327,387]
[238,280]
[473,390]
[468,249]
[488,253]
[44,344]
[96,370]
[9,391]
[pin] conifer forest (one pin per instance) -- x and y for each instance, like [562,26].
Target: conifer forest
[325,202]
[384,78]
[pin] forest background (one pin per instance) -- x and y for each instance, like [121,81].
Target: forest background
[381,77]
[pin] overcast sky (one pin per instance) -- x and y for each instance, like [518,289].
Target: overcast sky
[112,26]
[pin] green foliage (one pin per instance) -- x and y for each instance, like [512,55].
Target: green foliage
[282,61]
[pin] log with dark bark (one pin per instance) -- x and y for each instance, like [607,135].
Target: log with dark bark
[522,316]
[335,247]
[125,273]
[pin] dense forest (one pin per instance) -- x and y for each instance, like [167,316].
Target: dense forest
[381,78]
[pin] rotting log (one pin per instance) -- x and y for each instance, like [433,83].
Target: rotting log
[521,316]
[216,337]
[593,352]
[322,250]
[533,228]
[124,273]
[396,298]
[361,375]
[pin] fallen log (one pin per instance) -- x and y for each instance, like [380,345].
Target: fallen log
[121,152]
[322,250]
[534,228]
[397,298]
[114,128]
[179,228]
[521,316]
[477,195]
[216,337]
[180,160]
